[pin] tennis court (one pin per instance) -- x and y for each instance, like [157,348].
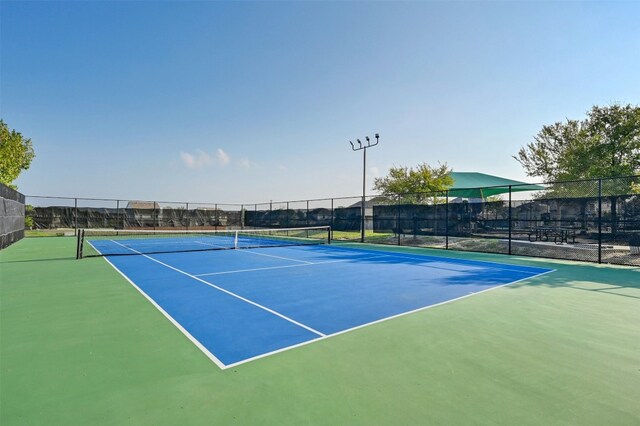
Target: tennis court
[239,305]
[293,330]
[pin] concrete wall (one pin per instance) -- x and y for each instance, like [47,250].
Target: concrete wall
[11,216]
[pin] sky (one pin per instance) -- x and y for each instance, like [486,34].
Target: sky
[250,102]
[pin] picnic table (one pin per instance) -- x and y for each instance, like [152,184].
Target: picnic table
[559,235]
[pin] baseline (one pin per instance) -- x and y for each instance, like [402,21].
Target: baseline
[402,314]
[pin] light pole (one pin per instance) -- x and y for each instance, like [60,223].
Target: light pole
[363,148]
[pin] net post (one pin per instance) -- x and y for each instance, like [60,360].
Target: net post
[328,235]
[235,240]
[75,217]
[79,247]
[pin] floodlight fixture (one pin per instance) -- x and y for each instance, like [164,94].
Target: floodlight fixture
[363,148]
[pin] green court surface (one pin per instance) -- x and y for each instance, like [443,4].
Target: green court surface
[81,346]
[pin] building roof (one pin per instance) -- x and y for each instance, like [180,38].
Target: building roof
[143,205]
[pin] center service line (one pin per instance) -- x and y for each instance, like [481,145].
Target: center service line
[271,311]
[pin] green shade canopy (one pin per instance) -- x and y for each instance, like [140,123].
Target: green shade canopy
[480,185]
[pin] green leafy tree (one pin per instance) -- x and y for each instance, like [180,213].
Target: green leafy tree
[605,144]
[419,184]
[16,153]
[28,218]
[494,205]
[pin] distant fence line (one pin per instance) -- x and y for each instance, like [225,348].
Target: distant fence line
[595,220]
[11,216]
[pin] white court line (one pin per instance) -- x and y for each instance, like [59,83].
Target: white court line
[254,252]
[380,320]
[195,341]
[286,266]
[498,265]
[323,336]
[244,299]
[277,257]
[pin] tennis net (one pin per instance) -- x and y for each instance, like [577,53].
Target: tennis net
[93,242]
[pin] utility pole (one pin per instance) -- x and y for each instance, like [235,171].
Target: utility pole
[363,148]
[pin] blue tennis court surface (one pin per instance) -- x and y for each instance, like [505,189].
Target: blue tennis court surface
[238,305]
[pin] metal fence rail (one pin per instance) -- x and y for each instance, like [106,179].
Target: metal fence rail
[594,220]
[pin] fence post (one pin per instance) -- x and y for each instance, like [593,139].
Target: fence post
[186,215]
[332,218]
[510,217]
[307,213]
[117,214]
[75,217]
[398,228]
[287,224]
[446,220]
[362,213]
[599,220]
[215,216]
[241,216]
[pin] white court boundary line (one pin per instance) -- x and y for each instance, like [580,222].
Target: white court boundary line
[252,252]
[472,263]
[184,331]
[348,330]
[503,266]
[286,266]
[230,293]
[223,366]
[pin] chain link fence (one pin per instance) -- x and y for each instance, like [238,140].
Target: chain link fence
[589,220]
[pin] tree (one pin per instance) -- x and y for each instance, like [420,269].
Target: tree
[417,185]
[605,144]
[16,153]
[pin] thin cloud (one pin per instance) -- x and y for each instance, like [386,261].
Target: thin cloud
[195,161]
[223,157]
[201,159]
[245,163]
